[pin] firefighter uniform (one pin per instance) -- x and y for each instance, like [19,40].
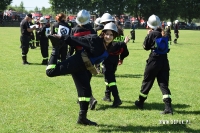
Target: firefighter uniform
[42,32]
[94,50]
[117,52]
[157,67]
[176,32]
[25,37]
[55,30]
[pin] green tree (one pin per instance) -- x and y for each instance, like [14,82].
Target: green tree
[4,4]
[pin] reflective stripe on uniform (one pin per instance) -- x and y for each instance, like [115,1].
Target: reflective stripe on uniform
[112,84]
[166,96]
[106,83]
[143,95]
[87,99]
[52,66]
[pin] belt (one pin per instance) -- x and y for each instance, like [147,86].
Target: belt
[88,63]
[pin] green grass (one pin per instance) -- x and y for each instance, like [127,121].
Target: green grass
[31,102]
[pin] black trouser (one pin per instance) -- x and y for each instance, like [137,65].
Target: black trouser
[156,67]
[109,70]
[32,42]
[37,38]
[44,47]
[73,65]
[63,52]
[24,44]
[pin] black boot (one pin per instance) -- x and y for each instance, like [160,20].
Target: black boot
[82,119]
[45,62]
[92,103]
[140,103]
[117,102]
[168,106]
[24,59]
[107,95]
[175,41]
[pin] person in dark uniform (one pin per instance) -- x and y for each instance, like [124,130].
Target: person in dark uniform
[25,36]
[94,51]
[43,32]
[168,31]
[117,52]
[133,31]
[61,27]
[176,32]
[69,22]
[98,27]
[81,29]
[157,65]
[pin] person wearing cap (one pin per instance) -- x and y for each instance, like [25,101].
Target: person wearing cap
[61,27]
[25,36]
[157,65]
[43,32]
[81,29]
[95,50]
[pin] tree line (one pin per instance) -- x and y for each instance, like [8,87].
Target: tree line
[187,10]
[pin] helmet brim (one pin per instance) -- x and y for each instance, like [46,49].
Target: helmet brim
[79,23]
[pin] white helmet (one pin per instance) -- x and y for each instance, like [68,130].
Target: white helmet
[106,17]
[169,23]
[97,21]
[176,21]
[111,26]
[43,20]
[83,17]
[154,22]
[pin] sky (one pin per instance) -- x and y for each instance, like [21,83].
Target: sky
[31,4]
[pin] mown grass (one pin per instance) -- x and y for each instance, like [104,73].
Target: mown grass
[31,102]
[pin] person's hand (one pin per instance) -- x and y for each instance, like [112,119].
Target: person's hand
[127,39]
[120,62]
[149,31]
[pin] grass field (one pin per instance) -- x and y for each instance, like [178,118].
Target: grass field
[31,102]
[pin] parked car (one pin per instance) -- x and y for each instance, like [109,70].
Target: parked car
[193,26]
[127,25]
[182,25]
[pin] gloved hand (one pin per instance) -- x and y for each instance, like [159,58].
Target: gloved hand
[120,62]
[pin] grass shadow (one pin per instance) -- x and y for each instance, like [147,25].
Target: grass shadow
[162,128]
[123,75]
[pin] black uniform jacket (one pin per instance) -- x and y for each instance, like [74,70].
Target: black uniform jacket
[42,32]
[56,25]
[117,50]
[149,41]
[82,30]
[91,43]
